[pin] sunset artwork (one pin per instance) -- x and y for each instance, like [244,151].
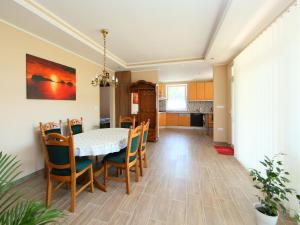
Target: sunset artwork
[49,80]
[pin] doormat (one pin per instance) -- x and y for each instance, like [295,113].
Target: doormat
[223,150]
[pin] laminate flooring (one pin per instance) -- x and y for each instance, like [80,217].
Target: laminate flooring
[186,183]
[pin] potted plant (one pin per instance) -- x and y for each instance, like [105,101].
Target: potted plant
[14,210]
[274,192]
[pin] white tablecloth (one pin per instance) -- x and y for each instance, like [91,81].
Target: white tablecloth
[100,142]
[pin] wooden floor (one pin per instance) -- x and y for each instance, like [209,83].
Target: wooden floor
[187,183]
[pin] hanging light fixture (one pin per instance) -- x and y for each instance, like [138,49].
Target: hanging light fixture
[103,78]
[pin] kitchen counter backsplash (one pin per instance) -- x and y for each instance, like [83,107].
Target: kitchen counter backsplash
[198,106]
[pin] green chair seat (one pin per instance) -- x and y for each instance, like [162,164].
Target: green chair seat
[126,124]
[53,131]
[81,164]
[76,129]
[118,157]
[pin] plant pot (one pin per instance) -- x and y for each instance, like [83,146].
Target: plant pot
[263,219]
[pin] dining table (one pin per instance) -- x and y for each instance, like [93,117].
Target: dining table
[100,142]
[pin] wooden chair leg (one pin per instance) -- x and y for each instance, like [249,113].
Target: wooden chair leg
[91,179]
[127,180]
[73,193]
[145,159]
[137,171]
[141,164]
[105,175]
[49,191]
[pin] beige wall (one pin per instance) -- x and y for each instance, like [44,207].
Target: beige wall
[220,104]
[228,103]
[19,117]
[150,75]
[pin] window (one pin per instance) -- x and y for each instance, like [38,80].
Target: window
[176,97]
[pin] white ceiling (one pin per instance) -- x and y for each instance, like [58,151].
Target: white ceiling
[178,37]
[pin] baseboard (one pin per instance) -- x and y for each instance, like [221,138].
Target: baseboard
[29,176]
[183,127]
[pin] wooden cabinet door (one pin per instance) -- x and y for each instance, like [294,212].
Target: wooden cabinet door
[147,107]
[192,91]
[200,91]
[184,120]
[122,95]
[172,119]
[209,90]
[162,119]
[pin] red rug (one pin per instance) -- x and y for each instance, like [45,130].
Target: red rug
[223,150]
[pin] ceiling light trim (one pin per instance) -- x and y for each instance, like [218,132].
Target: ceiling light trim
[217,27]
[53,19]
[64,26]
[54,44]
[164,62]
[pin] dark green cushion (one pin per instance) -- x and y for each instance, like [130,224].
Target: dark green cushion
[76,129]
[118,157]
[53,131]
[58,155]
[80,164]
[135,144]
[145,136]
[126,124]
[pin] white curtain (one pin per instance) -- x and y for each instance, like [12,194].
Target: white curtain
[267,96]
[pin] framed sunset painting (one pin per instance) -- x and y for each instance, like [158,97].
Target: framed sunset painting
[49,80]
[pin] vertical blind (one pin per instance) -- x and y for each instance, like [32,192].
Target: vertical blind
[267,96]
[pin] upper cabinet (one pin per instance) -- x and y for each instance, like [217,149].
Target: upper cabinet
[162,90]
[200,91]
[209,90]
[192,91]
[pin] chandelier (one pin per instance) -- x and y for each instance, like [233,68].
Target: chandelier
[103,79]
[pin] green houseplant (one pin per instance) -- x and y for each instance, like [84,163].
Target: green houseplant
[13,209]
[274,191]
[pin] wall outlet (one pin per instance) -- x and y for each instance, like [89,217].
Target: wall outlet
[220,129]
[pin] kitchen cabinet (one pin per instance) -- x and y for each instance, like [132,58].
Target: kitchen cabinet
[172,119]
[184,120]
[192,91]
[200,91]
[209,90]
[210,122]
[162,90]
[162,119]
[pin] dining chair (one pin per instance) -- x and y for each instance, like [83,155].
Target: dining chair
[124,160]
[127,121]
[49,128]
[75,126]
[143,160]
[63,167]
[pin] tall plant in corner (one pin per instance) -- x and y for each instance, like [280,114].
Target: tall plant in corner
[13,209]
[273,185]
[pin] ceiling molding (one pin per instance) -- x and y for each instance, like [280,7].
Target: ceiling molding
[219,22]
[61,24]
[54,44]
[50,17]
[284,10]
[164,62]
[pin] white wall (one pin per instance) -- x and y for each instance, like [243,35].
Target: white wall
[147,75]
[267,94]
[19,117]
